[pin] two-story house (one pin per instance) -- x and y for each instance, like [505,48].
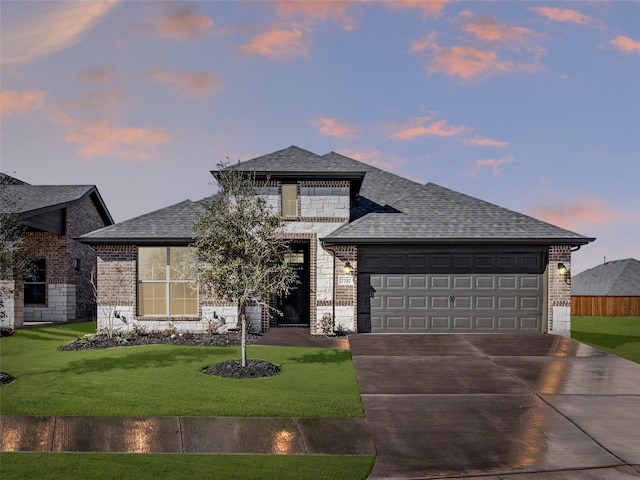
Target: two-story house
[375,252]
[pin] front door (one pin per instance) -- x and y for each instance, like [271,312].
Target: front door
[295,306]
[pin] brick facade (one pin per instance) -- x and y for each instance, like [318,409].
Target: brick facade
[559,290]
[70,264]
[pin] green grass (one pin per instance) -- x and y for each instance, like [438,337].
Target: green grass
[54,466]
[166,380]
[618,335]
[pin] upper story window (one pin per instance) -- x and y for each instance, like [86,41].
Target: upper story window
[289,199]
[167,284]
[35,286]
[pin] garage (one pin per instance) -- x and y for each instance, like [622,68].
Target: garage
[423,291]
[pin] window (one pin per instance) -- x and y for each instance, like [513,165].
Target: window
[289,200]
[35,286]
[167,281]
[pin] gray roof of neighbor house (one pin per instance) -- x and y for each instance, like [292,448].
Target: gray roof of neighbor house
[387,208]
[29,201]
[615,278]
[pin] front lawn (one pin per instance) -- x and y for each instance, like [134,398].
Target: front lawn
[618,335]
[63,466]
[166,380]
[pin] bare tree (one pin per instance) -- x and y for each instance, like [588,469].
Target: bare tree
[13,265]
[240,247]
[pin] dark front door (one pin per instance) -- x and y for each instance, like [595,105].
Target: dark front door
[295,306]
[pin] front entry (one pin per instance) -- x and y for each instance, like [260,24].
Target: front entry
[295,306]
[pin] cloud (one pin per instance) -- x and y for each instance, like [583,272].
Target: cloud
[415,127]
[626,44]
[429,8]
[181,23]
[465,62]
[101,140]
[101,75]
[494,164]
[376,158]
[332,127]
[12,102]
[196,84]
[573,212]
[317,10]
[44,28]
[484,142]
[278,44]
[563,15]
[487,28]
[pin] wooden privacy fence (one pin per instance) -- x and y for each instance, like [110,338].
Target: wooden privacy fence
[605,306]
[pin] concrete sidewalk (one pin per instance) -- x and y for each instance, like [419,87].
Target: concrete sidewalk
[221,435]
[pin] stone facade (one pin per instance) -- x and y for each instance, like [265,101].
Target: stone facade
[323,206]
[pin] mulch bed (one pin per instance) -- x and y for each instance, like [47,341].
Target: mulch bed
[231,339]
[5,378]
[234,369]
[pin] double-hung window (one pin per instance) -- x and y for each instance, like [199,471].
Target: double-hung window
[35,285]
[167,284]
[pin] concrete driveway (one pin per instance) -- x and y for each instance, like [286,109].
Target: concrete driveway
[526,407]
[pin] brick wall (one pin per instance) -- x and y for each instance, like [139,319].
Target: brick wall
[70,293]
[559,290]
[117,283]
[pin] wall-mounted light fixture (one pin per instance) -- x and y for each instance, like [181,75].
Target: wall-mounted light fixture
[347,269]
[564,271]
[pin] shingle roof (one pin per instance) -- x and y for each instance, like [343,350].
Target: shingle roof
[170,224]
[615,278]
[29,200]
[388,208]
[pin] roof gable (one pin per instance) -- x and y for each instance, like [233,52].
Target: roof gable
[614,278]
[31,201]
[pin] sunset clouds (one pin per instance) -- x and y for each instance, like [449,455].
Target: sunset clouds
[421,126]
[332,127]
[281,45]
[573,212]
[626,44]
[49,27]
[12,102]
[492,48]
[181,22]
[188,84]
[563,15]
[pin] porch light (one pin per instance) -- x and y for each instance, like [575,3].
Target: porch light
[564,271]
[348,269]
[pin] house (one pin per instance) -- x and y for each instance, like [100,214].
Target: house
[60,286]
[611,289]
[375,253]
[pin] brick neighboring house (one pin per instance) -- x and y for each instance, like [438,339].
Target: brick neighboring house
[375,253]
[54,216]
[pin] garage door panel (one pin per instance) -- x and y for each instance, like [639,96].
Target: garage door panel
[407,299]
[439,302]
[462,283]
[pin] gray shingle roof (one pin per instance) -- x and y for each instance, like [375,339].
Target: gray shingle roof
[615,278]
[171,224]
[388,208]
[29,200]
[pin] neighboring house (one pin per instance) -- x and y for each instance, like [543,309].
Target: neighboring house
[375,253]
[611,290]
[60,287]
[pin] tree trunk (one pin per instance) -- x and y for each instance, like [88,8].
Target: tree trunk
[243,323]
